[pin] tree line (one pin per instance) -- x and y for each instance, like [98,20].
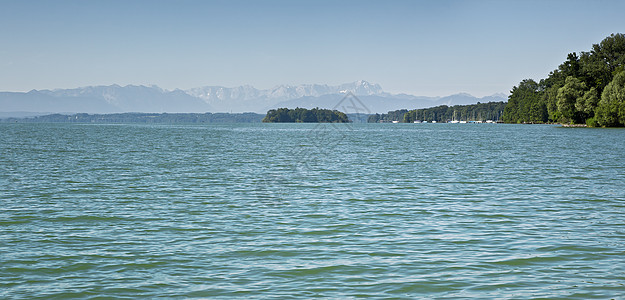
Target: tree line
[473,112]
[443,113]
[396,115]
[303,115]
[588,88]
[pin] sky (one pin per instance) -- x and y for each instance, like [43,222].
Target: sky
[424,48]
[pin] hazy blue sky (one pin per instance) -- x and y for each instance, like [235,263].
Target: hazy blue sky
[431,48]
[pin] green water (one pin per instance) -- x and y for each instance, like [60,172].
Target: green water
[304,210]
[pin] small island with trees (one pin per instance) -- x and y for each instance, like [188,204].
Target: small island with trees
[303,115]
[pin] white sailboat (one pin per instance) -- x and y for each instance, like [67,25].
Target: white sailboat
[454,121]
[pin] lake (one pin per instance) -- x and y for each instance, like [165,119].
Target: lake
[311,210]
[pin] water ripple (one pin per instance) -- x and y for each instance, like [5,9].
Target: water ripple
[298,211]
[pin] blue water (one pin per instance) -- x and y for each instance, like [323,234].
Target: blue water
[307,210]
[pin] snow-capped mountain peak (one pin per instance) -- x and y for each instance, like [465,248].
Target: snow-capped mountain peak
[226,98]
[245,98]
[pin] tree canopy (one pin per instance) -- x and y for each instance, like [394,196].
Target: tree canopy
[444,113]
[611,109]
[303,115]
[525,105]
[585,88]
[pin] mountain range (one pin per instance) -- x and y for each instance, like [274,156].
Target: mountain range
[131,98]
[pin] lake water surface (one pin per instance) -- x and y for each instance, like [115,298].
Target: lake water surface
[308,210]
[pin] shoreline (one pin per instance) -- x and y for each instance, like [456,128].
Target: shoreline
[574,125]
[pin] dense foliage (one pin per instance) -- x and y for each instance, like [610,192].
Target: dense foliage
[303,115]
[473,112]
[396,115]
[144,118]
[444,113]
[588,88]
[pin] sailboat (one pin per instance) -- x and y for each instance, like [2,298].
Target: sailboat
[454,121]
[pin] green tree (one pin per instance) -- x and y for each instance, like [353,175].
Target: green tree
[611,109]
[605,59]
[588,103]
[550,100]
[525,104]
[595,68]
[568,95]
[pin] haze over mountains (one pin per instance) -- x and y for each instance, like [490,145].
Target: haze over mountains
[132,98]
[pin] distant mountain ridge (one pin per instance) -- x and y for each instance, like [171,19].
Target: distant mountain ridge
[103,99]
[153,99]
[227,99]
